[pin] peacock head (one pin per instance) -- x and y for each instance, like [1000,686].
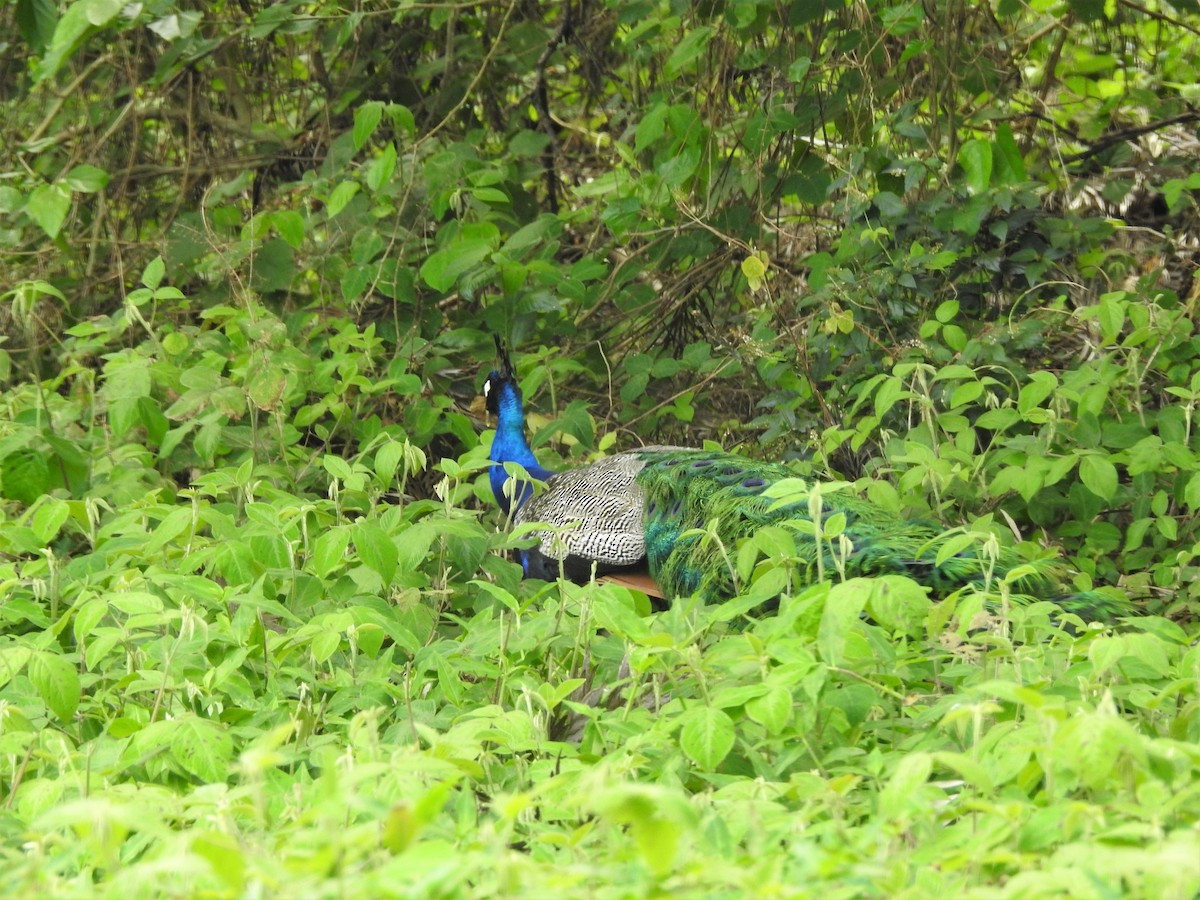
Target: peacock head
[501,391]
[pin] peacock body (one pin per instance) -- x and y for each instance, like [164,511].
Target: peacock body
[680,513]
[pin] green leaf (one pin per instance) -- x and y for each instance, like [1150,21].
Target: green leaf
[1111,315]
[899,604]
[366,119]
[101,12]
[707,736]
[773,710]
[891,391]
[975,157]
[688,50]
[48,206]
[798,69]
[337,467]
[1191,493]
[842,612]
[902,18]
[754,268]
[87,617]
[203,748]
[902,797]
[1099,476]
[614,612]
[376,549]
[69,34]
[382,167]
[1010,166]
[153,275]
[290,225]
[946,311]
[329,551]
[56,682]
[443,267]
[1040,386]
[24,476]
[325,644]
[402,119]
[87,179]
[651,127]
[49,518]
[36,20]
[340,196]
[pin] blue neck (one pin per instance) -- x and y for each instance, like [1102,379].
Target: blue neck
[509,445]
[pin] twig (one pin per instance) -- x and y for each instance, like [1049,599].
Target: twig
[1126,134]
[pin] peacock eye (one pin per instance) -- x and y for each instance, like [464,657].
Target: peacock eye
[730,470]
[701,463]
[671,462]
[753,482]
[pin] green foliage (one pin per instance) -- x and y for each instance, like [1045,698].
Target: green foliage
[257,632]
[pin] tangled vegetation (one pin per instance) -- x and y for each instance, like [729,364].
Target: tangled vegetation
[259,631]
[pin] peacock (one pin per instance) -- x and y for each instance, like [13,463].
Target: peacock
[677,514]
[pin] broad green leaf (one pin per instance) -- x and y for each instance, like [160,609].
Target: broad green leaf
[1191,493]
[68,36]
[975,157]
[153,275]
[101,12]
[1040,386]
[340,197]
[176,523]
[773,710]
[382,167]
[324,645]
[48,206]
[290,225]
[49,518]
[843,609]
[203,748]
[87,179]
[366,119]
[24,476]
[1099,476]
[688,49]
[56,682]
[387,461]
[1009,164]
[754,270]
[329,550]
[87,617]
[337,467]
[376,549]
[652,126]
[442,268]
[13,659]
[1111,315]
[619,617]
[707,736]
[36,20]
[134,603]
[902,798]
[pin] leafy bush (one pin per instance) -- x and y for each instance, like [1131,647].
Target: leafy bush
[258,628]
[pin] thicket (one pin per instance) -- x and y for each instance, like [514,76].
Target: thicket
[258,634]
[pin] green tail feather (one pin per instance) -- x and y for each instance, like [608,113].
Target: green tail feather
[686,489]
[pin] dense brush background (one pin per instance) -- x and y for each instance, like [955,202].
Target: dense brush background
[258,634]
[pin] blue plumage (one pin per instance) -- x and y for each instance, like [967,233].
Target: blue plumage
[503,398]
